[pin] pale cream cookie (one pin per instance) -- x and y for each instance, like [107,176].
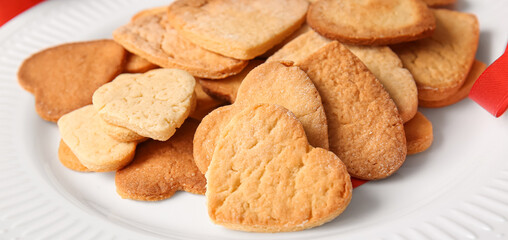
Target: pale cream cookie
[82,133]
[153,104]
[120,133]
[266,177]
[68,159]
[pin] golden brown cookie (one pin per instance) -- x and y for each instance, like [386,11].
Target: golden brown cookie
[419,134]
[300,48]
[274,83]
[149,36]
[159,169]
[388,69]
[137,64]
[295,91]
[364,127]
[97,151]
[266,177]
[440,64]
[371,22]
[476,70]
[439,3]
[204,103]
[303,29]
[63,78]
[227,88]
[153,104]
[68,159]
[208,133]
[380,60]
[241,29]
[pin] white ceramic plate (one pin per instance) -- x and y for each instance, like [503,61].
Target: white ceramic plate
[458,189]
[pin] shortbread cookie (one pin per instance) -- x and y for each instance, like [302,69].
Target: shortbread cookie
[241,29]
[204,103]
[371,22]
[274,83]
[300,48]
[439,3]
[68,159]
[303,29]
[63,78]
[120,133]
[294,90]
[137,64]
[380,60]
[440,64]
[159,169]
[149,36]
[476,70]
[152,104]
[419,134]
[97,151]
[227,88]
[364,127]
[266,177]
[397,81]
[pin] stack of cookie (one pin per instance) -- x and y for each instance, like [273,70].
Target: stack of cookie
[319,92]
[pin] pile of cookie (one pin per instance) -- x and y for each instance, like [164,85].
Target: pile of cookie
[266,107]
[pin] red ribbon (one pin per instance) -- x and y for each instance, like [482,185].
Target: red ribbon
[491,88]
[11,8]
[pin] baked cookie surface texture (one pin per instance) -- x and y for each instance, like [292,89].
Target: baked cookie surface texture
[152,104]
[365,129]
[371,22]
[241,29]
[265,177]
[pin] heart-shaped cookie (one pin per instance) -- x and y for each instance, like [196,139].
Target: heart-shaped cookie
[152,104]
[380,60]
[371,22]
[82,133]
[241,29]
[397,80]
[274,83]
[441,63]
[63,78]
[364,127]
[68,159]
[475,72]
[149,36]
[159,169]
[266,177]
